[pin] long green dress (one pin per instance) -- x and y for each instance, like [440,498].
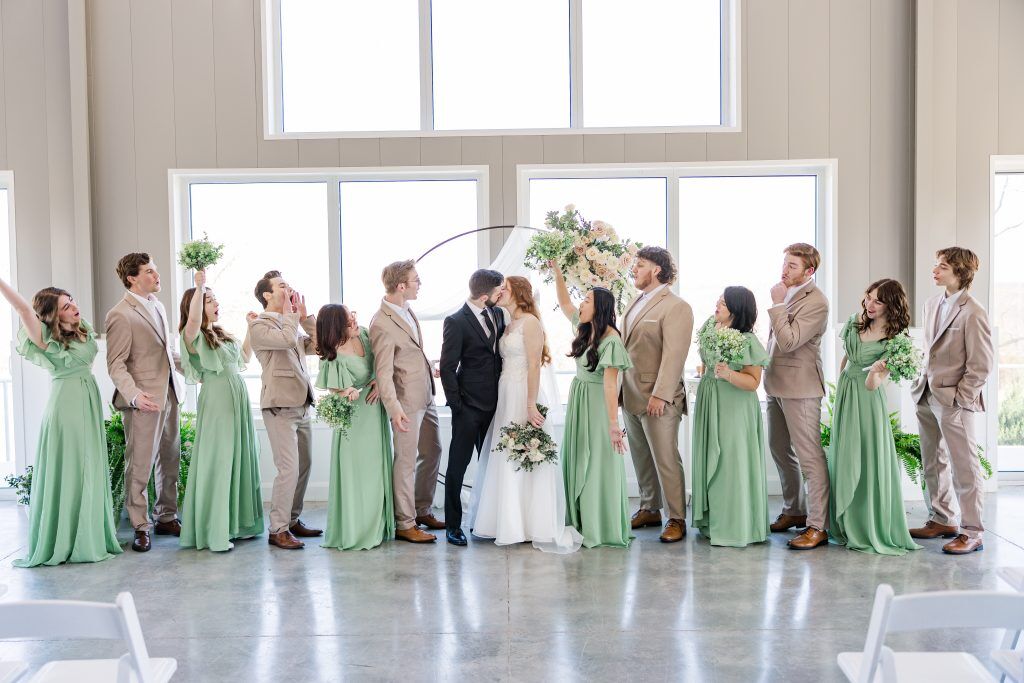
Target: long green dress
[360,512]
[866,506]
[71,517]
[595,475]
[730,494]
[223,498]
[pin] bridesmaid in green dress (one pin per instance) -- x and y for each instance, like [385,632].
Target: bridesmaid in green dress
[730,495]
[223,497]
[866,506]
[593,443]
[360,513]
[71,517]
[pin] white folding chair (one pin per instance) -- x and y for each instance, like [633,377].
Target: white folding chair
[925,611]
[72,619]
[1010,659]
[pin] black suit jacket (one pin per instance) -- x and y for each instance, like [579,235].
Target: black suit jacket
[470,362]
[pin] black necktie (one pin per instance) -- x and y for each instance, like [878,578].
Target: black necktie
[491,332]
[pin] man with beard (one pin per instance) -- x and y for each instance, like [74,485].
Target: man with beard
[470,366]
[657,329]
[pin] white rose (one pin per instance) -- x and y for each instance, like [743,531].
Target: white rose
[536,456]
[534,444]
[569,208]
[593,253]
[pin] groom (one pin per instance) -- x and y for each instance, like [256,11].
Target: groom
[470,367]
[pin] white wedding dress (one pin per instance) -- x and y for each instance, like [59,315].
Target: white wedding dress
[510,506]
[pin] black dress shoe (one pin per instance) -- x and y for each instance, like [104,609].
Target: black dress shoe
[456,537]
[141,544]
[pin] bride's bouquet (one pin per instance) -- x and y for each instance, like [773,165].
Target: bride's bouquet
[527,446]
[591,254]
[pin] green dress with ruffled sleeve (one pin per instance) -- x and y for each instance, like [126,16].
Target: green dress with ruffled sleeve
[360,512]
[223,497]
[595,475]
[865,508]
[730,495]
[71,517]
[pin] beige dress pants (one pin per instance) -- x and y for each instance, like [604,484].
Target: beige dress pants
[654,445]
[152,440]
[794,438]
[290,434]
[949,454]
[417,459]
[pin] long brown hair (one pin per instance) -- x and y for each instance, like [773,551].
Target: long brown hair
[590,335]
[897,307]
[522,292]
[214,333]
[46,304]
[331,330]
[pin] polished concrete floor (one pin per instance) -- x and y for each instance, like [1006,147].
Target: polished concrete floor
[653,612]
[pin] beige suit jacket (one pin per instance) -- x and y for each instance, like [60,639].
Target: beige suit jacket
[405,380]
[658,343]
[281,351]
[959,357]
[139,355]
[794,345]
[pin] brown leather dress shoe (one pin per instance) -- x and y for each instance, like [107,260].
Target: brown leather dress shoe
[963,545]
[674,531]
[934,530]
[786,522]
[171,528]
[285,540]
[644,518]
[430,521]
[810,538]
[303,531]
[415,535]
[141,544]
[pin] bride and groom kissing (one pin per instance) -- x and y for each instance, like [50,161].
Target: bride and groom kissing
[495,370]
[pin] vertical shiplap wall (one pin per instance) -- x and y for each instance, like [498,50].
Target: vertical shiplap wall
[36,143]
[179,85]
[970,105]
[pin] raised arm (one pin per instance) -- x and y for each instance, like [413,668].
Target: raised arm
[265,336]
[247,342]
[195,311]
[33,328]
[564,300]
[790,335]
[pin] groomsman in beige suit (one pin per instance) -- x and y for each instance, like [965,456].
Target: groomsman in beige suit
[147,391]
[405,381]
[658,326]
[795,384]
[959,358]
[285,400]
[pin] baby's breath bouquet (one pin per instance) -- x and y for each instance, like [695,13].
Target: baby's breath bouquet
[902,358]
[336,412]
[200,254]
[590,254]
[727,344]
[527,446]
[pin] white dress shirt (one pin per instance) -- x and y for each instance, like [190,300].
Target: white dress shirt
[479,312]
[641,303]
[155,309]
[405,314]
[946,308]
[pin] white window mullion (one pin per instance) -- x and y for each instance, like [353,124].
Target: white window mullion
[576,63]
[426,68]
[674,238]
[334,237]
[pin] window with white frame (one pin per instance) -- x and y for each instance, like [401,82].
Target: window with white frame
[725,225]
[1008,314]
[346,67]
[330,234]
[7,329]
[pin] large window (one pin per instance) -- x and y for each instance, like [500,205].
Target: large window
[330,234]
[348,67]
[726,225]
[7,327]
[1008,314]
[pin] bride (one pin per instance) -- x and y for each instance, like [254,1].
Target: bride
[517,506]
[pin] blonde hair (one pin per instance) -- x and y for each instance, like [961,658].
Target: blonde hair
[806,253]
[395,274]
